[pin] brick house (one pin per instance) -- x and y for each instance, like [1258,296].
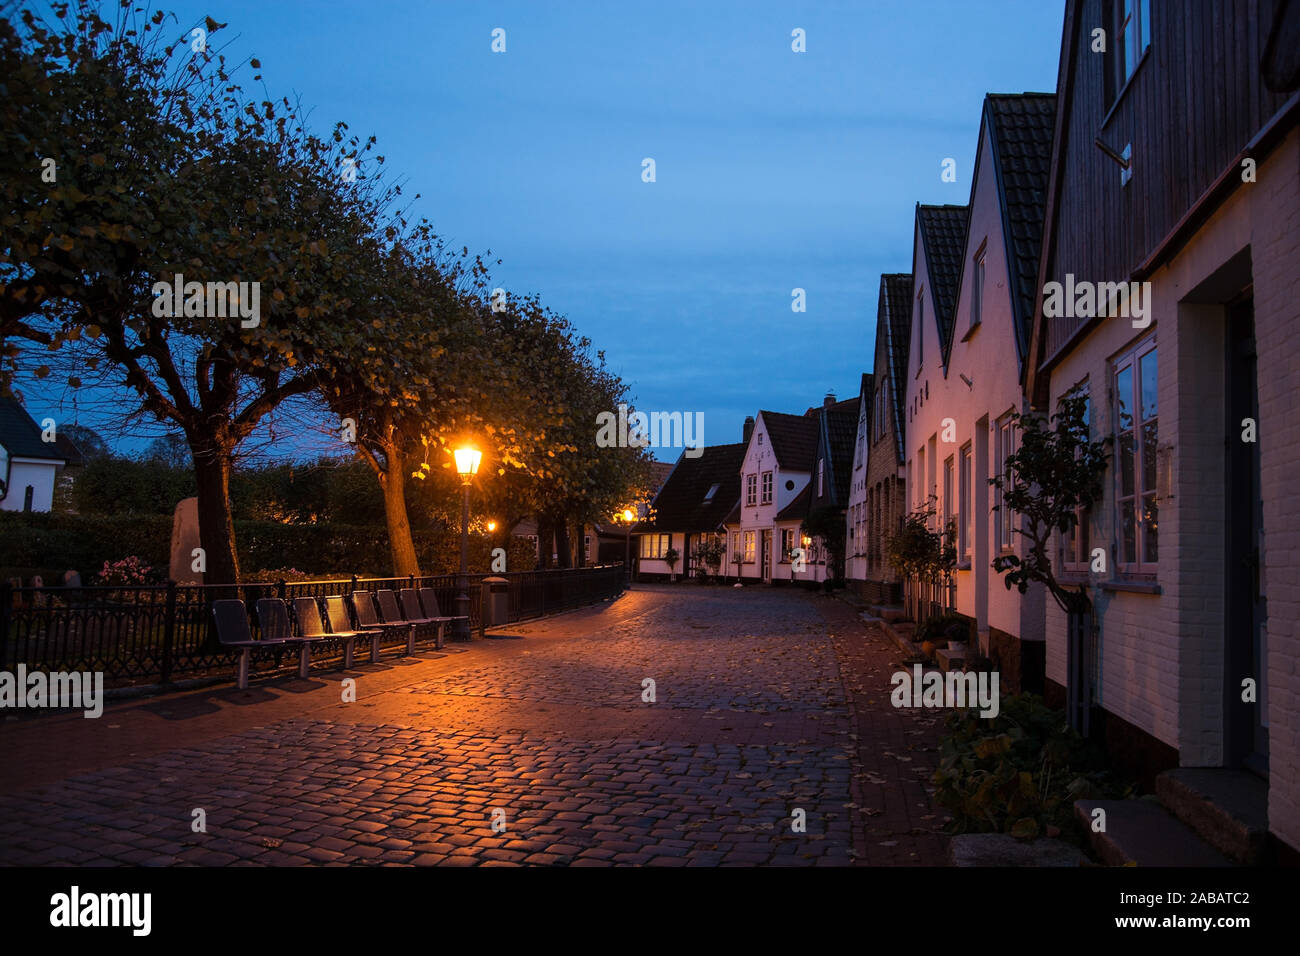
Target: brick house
[880,491]
[1175,162]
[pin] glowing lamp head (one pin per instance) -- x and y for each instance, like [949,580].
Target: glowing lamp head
[492,526]
[627,514]
[467,460]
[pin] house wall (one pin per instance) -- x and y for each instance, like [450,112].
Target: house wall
[24,472]
[855,516]
[885,476]
[1161,656]
[759,457]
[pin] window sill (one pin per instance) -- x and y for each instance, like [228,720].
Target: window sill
[1133,587]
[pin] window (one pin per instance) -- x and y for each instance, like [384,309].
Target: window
[1004,446]
[821,477]
[735,545]
[713,490]
[966,511]
[1132,36]
[949,498]
[655,545]
[749,547]
[920,480]
[1076,546]
[977,290]
[1136,442]
[767,487]
[787,543]
[920,331]
[751,490]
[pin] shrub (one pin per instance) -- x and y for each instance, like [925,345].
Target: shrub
[943,627]
[1019,772]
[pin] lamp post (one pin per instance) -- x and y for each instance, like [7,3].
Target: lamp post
[467,461]
[627,561]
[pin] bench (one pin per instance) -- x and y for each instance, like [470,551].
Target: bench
[231,620]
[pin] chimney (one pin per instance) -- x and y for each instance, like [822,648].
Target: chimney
[749,428]
[829,400]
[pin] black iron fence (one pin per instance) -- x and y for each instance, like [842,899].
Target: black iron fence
[162,632]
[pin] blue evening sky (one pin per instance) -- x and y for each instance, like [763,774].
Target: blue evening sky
[775,169]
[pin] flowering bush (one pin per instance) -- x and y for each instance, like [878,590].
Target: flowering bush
[125,573]
[273,575]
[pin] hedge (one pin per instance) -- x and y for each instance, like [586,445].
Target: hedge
[49,544]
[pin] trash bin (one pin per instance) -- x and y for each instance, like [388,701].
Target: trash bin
[496,602]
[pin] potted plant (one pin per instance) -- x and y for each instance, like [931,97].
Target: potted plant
[670,559]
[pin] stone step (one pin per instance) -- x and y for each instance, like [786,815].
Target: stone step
[1227,808]
[953,657]
[1142,833]
[888,612]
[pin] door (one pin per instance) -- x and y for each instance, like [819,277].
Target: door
[1247,720]
[765,562]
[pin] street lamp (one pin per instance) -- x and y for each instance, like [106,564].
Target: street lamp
[467,461]
[627,561]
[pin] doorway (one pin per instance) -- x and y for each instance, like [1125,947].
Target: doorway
[1247,720]
[765,562]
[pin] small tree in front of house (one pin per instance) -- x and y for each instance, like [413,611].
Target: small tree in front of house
[827,523]
[920,553]
[670,559]
[710,553]
[1054,474]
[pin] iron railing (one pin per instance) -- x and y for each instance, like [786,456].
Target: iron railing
[161,632]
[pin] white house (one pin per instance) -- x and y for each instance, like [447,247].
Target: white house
[29,466]
[777,467]
[967,381]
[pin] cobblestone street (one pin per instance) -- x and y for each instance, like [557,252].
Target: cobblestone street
[767,702]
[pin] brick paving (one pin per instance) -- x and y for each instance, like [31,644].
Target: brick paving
[771,705]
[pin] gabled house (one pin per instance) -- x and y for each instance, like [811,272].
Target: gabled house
[855,517]
[828,491]
[1174,182]
[29,466]
[938,241]
[961,427]
[690,508]
[776,469]
[884,493]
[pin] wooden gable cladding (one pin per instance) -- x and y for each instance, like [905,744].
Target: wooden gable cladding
[1195,101]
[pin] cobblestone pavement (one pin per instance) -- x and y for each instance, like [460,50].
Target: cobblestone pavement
[770,740]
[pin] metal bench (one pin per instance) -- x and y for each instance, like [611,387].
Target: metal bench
[429,598]
[273,618]
[312,628]
[336,614]
[415,614]
[231,620]
[363,609]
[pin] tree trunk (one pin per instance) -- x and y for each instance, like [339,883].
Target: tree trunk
[562,544]
[400,543]
[216,525]
[580,546]
[545,541]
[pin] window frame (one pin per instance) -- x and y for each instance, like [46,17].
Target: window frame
[765,488]
[1132,360]
[750,542]
[751,490]
[965,504]
[1004,444]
